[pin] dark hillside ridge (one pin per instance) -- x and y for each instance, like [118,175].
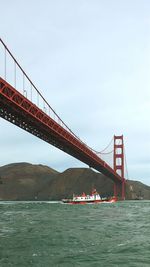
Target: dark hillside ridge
[24,181]
[77,180]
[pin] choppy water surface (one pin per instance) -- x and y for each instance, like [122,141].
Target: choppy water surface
[45,234]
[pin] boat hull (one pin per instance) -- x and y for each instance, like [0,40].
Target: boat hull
[113,200]
[94,198]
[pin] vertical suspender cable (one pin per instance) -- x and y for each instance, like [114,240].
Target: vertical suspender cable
[23,83]
[38,100]
[31,92]
[15,74]
[5,55]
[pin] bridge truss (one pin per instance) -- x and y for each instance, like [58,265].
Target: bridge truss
[43,122]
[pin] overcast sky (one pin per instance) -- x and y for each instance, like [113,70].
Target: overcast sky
[91,61]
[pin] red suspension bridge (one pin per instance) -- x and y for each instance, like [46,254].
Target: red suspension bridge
[22,104]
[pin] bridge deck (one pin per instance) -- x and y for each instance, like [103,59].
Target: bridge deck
[18,110]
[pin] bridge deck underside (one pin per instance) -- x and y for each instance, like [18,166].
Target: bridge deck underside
[17,109]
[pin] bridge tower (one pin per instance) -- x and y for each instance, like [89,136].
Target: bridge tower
[119,163]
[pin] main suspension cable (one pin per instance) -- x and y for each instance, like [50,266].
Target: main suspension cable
[102,151]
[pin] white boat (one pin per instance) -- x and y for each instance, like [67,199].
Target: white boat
[84,199]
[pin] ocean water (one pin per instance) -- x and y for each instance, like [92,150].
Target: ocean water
[45,234]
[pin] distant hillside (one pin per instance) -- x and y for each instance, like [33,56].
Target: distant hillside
[137,190]
[76,180]
[24,181]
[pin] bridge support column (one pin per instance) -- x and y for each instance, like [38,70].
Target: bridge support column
[119,163]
